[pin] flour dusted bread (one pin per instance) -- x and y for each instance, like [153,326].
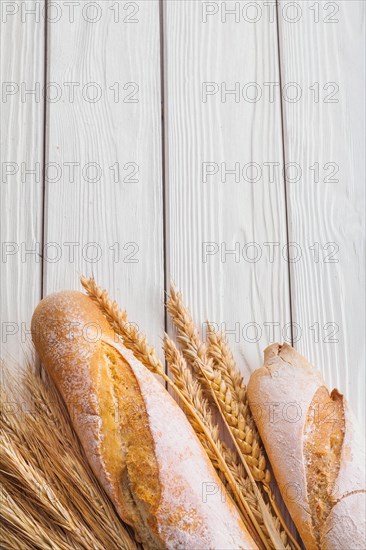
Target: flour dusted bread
[315,449]
[137,440]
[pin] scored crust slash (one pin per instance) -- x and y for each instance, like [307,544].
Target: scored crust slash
[317,455]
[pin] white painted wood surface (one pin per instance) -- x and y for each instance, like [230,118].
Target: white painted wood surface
[111,131]
[22,62]
[194,43]
[209,132]
[324,54]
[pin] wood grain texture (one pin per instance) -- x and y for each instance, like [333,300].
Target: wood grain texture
[103,224]
[116,220]
[242,297]
[328,293]
[22,69]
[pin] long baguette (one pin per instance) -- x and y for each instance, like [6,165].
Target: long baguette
[315,449]
[136,438]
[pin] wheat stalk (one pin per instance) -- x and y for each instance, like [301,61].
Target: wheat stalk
[225,395]
[232,394]
[50,498]
[192,390]
[23,528]
[27,485]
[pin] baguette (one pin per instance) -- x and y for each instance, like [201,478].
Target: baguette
[136,438]
[315,449]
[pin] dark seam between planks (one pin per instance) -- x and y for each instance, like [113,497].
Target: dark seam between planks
[163,160]
[284,162]
[45,152]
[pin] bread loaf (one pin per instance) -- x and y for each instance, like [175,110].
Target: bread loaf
[136,438]
[315,449]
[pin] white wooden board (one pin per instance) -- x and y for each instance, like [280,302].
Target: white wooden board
[103,208]
[211,212]
[323,55]
[22,118]
[111,209]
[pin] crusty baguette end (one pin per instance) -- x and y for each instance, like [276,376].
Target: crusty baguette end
[314,447]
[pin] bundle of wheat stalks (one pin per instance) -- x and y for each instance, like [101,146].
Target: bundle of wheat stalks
[39,472]
[49,495]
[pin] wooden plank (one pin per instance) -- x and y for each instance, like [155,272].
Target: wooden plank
[210,131]
[22,71]
[323,54]
[107,123]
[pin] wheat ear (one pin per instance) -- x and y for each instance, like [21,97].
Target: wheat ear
[20,529]
[137,343]
[192,390]
[210,377]
[27,483]
[232,394]
[228,384]
[118,320]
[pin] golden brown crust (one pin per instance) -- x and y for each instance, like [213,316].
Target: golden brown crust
[133,432]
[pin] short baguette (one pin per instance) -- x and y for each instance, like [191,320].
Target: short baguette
[136,438]
[314,447]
